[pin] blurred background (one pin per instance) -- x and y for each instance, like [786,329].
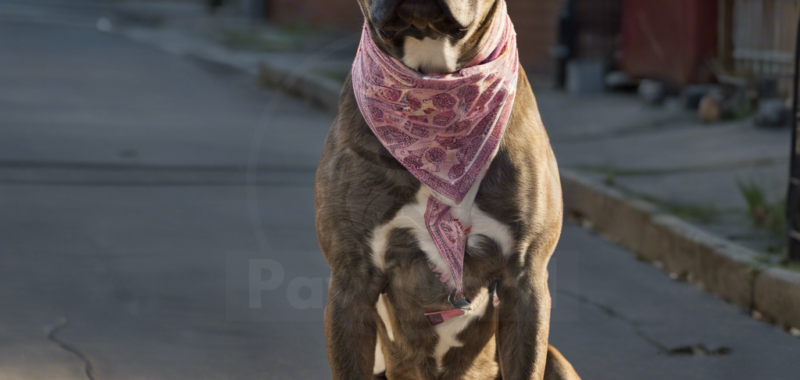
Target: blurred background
[156,184]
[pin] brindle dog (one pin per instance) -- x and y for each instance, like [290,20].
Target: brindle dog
[370,226]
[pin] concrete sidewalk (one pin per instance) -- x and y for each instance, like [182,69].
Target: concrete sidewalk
[137,185]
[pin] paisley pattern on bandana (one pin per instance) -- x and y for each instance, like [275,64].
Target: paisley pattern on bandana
[445,129]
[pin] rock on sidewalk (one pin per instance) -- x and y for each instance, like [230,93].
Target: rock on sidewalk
[773,113]
[652,92]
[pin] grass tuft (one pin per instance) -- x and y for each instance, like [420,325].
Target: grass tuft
[766,215]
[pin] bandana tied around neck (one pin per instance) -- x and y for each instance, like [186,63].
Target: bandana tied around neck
[445,129]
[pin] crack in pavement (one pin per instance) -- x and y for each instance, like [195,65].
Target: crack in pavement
[52,336]
[688,350]
[614,314]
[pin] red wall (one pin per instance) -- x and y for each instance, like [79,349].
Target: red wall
[669,40]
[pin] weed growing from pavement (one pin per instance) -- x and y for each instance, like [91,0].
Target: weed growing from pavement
[766,215]
[701,213]
[704,214]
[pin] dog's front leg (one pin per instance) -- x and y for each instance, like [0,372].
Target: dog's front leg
[350,330]
[523,320]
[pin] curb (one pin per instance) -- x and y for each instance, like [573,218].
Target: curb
[319,91]
[716,265]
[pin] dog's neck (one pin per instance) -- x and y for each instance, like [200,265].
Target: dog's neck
[445,55]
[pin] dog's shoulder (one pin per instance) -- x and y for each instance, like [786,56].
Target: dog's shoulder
[359,185]
[522,187]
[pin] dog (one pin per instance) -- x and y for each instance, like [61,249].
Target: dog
[389,277]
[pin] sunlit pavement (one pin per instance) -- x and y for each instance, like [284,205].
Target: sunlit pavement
[138,190]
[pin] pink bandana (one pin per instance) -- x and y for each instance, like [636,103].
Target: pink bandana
[445,129]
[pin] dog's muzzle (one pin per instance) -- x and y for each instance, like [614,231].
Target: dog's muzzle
[414,18]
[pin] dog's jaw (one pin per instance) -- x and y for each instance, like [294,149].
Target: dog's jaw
[446,54]
[427,45]
[430,56]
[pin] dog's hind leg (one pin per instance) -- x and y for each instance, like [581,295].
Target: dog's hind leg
[557,367]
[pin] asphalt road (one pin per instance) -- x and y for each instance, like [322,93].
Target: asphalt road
[144,196]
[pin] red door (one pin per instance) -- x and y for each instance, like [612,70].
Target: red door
[670,40]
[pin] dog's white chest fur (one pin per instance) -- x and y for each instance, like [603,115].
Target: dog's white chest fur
[412,217]
[430,56]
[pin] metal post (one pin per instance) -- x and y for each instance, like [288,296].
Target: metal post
[793,201]
[567,35]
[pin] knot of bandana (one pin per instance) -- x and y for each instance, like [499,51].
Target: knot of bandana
[445,129]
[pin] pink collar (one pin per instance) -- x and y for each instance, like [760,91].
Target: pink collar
[445,129]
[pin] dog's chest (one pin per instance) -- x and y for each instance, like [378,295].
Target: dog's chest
[411,218]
